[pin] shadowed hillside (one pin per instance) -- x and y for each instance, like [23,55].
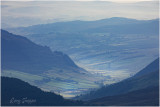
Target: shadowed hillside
[144,97]
[14,89]
[19,53]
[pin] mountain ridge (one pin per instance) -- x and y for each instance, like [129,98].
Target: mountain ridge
[77,25]
[18,51]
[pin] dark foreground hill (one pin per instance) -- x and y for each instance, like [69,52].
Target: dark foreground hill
[144,97]
[21,54]
[19,93]
[141,80]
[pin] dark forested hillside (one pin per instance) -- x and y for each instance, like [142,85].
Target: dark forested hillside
[19,53]
[144,97]
[147,79]
[17,93]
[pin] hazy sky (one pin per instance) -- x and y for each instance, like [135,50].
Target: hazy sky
[28,13]
[118,1]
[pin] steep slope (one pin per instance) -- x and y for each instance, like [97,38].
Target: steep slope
[19,53]
[144,97]
[149,79]
[19,93]
[150,68]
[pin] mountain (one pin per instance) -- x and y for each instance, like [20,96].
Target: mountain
[148,27]
[117,44]
[154,66]
[41,67]
[148,79]
[118,24]
[144,97]
[115,53]
[19,93]
[19,53]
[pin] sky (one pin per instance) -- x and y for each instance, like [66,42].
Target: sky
[118,1]
[27,13]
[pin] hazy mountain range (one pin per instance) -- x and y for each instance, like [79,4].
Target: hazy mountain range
[105,62]
[20,14]
[111,47]
[125,25]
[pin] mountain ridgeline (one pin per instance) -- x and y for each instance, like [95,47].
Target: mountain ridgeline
[117,25]
[19,53]
[147,77]
[154,66]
